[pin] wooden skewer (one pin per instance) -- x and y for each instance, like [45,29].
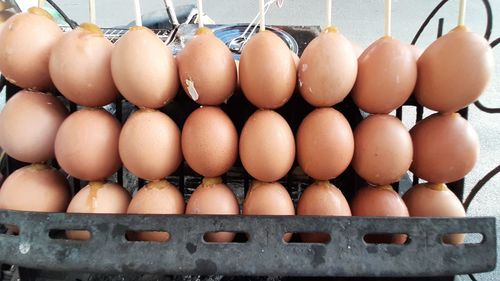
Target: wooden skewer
[200,14]
[388,18]
[461,14]
[328,13]
[92,11]
[262,16]
[138,16]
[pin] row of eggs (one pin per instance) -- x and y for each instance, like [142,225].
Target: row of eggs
[89,70]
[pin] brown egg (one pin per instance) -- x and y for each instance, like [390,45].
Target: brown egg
[269,199]
[380,201]
[209,141]
[321,199]
[454,70]
[267,147]
[159,197]
[445,148]
[213,197]
[383,149]
[207,69]
[80,67]
[325,144]
[98,198]
[387,73]
[358,50]
[86,145]
[28,126]
[144,69]
[267,71]
[435,200]
[150,145]
[25,43]
[295,58]
[327,69]
[35,188]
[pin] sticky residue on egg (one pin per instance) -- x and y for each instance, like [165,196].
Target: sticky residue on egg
[435,200]
[158,197]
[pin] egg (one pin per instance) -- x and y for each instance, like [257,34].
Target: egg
[28,125]
[435,200]
[321,199]
[269,199]
[97,198]
[267,71]
[26,40]
[144,69]
[209,141]
[35,188]
[267,146]
[416,51]
[358,50]
[86,145]
[207,69]
[380,201]
[454,70]
[150,144]
[159,197]
[213,197]
[325,144]
[383,149]
[327,69]
[80,66]
[387,73]
[445,148]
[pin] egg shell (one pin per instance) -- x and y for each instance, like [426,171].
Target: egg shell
[80,67]
[28,125]
[35,188]
[327,69]
[267,71]
[267,146]
[144,69]
[454,71]
[383,149]
[26,40]
[269,199]
[387,73]
[321,199]
[209,141]
[98,198]
[86,145]
[325,144]
[150,144]
[207,70]
[416,51]
[445,148]
[380,201]
[213,197]
[435,200]
[159,197]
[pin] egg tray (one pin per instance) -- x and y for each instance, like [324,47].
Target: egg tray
[258,249]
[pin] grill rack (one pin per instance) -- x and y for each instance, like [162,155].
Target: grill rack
[485,226]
